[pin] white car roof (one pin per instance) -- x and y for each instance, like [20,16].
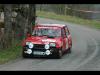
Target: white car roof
[59,25]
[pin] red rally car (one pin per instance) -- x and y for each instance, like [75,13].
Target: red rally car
[48,40]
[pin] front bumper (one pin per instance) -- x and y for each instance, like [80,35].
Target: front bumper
[39,52]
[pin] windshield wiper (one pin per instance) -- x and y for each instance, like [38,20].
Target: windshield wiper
[51,36]
[44,35]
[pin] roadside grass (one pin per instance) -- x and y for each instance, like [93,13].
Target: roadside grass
[72,19]
[10,54]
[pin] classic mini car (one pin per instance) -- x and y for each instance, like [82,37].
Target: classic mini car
[48,40]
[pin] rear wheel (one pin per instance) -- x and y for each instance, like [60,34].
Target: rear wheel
[70,49]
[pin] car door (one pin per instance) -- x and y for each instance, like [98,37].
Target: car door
[64,39]
[68,37]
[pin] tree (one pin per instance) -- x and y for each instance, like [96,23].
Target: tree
[31,18]
[8,25]
[21,25]
[26,15]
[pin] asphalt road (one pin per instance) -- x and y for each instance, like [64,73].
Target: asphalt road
[85,54]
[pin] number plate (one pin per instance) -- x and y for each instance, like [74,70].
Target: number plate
[38,53]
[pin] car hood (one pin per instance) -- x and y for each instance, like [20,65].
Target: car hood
[42,40]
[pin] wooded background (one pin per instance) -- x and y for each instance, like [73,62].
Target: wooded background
[15,22]
[85,11]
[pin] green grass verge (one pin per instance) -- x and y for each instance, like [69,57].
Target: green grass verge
[72,19]
[10,54]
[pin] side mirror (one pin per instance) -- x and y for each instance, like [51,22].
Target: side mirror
[33,27]
[28,35]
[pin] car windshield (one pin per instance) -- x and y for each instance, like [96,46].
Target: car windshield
[49,32]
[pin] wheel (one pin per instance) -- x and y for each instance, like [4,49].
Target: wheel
[24,55]
[59,54]
[70,49]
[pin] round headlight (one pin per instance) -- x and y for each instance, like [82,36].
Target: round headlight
[47,46]
[52,44]
[47,52]
[31,45]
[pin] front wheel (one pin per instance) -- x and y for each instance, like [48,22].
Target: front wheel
[24,55]
[59,54]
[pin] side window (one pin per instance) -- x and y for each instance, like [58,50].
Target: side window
[63,32]
[67,31]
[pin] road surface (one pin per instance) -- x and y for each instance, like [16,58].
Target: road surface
[85,54]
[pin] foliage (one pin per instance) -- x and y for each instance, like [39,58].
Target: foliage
[11,53]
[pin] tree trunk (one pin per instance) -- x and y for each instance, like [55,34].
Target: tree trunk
[25,18]
[8,25]
[21,22]
[31,17]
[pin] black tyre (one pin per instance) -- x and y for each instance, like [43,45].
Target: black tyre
[24,55]
[59,54]
[70,49]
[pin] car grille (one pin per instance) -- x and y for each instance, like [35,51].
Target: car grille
[39,46]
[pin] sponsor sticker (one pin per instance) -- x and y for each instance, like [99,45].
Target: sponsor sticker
[48,40]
